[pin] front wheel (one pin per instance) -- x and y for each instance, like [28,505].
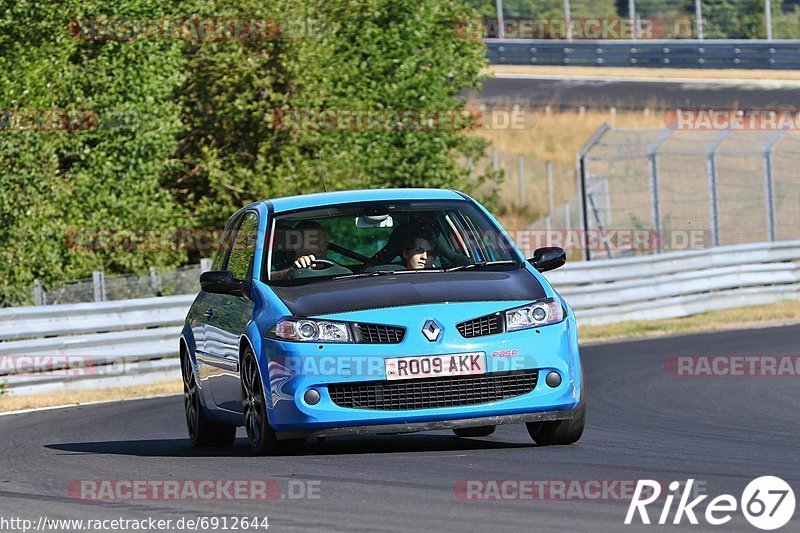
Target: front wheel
[203,432]
[260,435]
[560,432]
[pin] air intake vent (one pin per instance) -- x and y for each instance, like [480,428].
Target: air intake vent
[432,393]
[478,327]
[378,334]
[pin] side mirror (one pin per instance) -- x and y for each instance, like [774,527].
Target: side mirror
[548,258]
[220,282]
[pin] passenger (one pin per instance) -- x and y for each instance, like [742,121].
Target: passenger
[418,253]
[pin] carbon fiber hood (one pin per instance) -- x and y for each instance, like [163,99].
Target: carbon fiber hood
[397,290]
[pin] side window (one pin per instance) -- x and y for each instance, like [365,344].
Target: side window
[244,246]
[224,247]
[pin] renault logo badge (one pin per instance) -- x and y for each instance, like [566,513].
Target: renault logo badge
[431,330]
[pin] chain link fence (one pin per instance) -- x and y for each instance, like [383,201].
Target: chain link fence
[684,189]
[100,288]
[654,19]
[527,190]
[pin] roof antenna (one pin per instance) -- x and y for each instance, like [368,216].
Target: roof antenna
[322,169]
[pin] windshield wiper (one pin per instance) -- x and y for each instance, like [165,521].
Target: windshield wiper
[387,272]
[367,274]
[481,264]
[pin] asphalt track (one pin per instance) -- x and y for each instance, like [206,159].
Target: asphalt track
[643,423]
[634,95]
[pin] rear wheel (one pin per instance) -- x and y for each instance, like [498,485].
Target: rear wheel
[260,435]
[559,432]
[481,431]
[203,431]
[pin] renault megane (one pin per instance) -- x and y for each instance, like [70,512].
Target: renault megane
[373,312]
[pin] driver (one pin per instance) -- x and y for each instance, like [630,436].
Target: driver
[313,245]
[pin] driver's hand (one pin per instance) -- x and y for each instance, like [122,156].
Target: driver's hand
[305,262]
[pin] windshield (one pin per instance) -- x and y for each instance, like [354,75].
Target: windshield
[378,238]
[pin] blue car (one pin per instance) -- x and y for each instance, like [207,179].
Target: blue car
[374,312]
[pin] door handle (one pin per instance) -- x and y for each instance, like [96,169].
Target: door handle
[209,313]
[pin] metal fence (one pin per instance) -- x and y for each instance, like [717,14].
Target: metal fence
[712,188]
[641,19]
[529,188]
[641,33]
[101,288]
[673,53]
[91,345]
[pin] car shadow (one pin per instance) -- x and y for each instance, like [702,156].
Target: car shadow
[417,443]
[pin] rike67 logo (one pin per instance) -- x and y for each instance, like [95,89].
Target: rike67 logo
[767,503]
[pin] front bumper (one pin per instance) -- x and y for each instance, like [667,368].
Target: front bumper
[294,368]
[380,429]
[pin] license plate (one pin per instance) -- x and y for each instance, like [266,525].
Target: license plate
[431,366]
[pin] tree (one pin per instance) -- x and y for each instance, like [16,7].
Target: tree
[340,57]
[63,180]
[178,131]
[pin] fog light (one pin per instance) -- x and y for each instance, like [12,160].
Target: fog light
[553,379]
[312,396]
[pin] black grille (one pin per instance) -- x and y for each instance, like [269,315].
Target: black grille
[478,327]
[377,334]
[429,393]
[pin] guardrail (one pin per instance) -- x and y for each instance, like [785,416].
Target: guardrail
[680,283]
[104,344]
[135,341]
[749,54]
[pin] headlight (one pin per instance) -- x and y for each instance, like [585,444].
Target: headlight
[305,330]
[534,315]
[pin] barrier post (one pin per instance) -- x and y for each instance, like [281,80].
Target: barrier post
[712,184]
[769,190]
[99,284]
[652,168]
[39,296]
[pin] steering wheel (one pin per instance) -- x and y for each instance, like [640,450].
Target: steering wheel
[300,273]
[327,263]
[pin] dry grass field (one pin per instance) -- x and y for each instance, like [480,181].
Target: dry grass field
[10,402]
[769,76]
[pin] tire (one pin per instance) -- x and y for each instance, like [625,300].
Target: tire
[203,432]
[561,432]
[481,431]
[260,435]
